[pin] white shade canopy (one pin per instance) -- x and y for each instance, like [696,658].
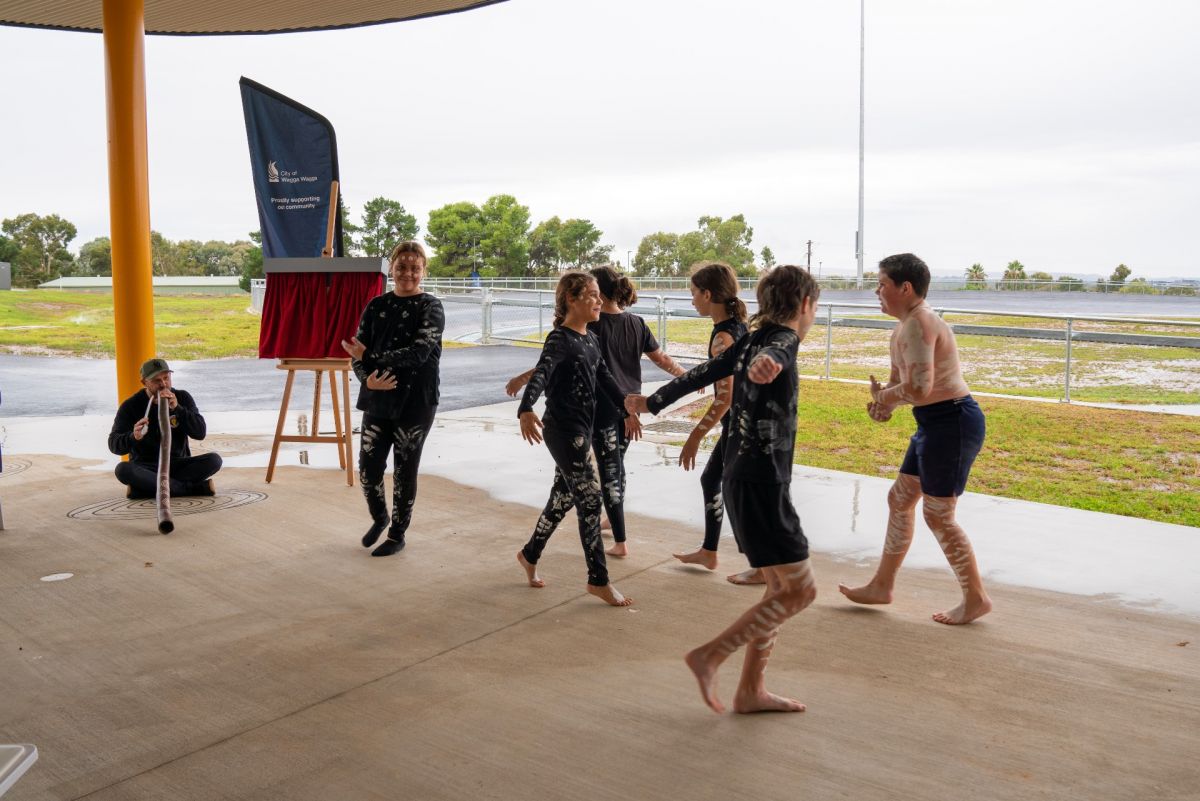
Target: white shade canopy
[191,18]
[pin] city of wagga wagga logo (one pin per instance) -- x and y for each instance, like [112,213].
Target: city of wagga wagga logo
[276,175]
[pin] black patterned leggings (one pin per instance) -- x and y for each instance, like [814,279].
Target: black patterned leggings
[609,444]
[710,485]
[189,475]
[575,485]
[404,438]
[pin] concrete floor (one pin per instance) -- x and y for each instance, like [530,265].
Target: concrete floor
[259,653]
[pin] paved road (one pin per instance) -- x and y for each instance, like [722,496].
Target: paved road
[39,386]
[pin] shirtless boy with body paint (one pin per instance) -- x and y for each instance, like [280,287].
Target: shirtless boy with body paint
[950,431]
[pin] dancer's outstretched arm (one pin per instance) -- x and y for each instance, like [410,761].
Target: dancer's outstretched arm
[701,375]
[722,400]
[516,382]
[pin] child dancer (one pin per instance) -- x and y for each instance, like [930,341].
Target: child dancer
[623,338]
[573,375]
[714,288]
[756,481]
[395,355]
[950,431]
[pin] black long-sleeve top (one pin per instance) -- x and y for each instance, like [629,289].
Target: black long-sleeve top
[403,335]
[762,438]
[186,421]
[572,374]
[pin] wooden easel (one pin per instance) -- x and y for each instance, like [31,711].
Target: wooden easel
[343,435]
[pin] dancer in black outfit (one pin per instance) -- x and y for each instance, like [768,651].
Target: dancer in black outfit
[758,471]
[395,356]
[714,288]
[572,374]
[623,338]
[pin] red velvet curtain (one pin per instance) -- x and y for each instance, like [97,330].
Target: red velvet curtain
[307,315]
[348,296]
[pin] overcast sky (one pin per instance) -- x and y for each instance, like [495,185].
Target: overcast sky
[1062,133]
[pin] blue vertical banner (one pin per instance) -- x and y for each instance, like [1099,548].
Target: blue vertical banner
[293,158]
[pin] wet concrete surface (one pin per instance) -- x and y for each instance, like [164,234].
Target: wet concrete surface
[259,653]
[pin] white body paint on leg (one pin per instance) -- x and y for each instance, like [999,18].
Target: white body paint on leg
[939,516]
[902,503]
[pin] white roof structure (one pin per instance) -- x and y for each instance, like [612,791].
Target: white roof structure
[189,18]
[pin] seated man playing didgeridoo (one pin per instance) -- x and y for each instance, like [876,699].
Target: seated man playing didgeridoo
[135,432]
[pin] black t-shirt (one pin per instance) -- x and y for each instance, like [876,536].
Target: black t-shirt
[403,335]
[186,421]
[572,374]
[623,339]
[762,437]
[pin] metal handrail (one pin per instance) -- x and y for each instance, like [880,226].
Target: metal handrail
[944,283]
[493,297]
[1040,315]
[656,306]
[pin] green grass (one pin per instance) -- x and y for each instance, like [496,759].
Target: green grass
[81,324]
[1123,462]
[50,322]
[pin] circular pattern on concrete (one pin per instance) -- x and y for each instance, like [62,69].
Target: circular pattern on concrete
[145,509]
[13,466]
[232,446]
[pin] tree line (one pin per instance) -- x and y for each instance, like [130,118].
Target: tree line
[1015,277]
[495,238]
[37,247]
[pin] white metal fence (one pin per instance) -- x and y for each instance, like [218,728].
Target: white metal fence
[652,284]
[680,284]
[525,315]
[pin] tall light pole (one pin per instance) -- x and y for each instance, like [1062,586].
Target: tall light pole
[862,128]
[629,260]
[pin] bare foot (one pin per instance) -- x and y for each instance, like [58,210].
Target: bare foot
[764,701]
[530,572]
[970,609]
[700,556]
[619,550]
[609,594]
[605,523]
[866,594]
[706,677]
[751,576]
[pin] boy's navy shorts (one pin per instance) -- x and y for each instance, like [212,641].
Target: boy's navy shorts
[949,436]
[764,522]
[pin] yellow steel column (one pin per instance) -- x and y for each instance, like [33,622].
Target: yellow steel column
[128,188]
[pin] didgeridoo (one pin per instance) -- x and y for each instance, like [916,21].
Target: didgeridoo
[162,495]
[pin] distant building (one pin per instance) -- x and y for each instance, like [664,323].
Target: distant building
[163,285]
